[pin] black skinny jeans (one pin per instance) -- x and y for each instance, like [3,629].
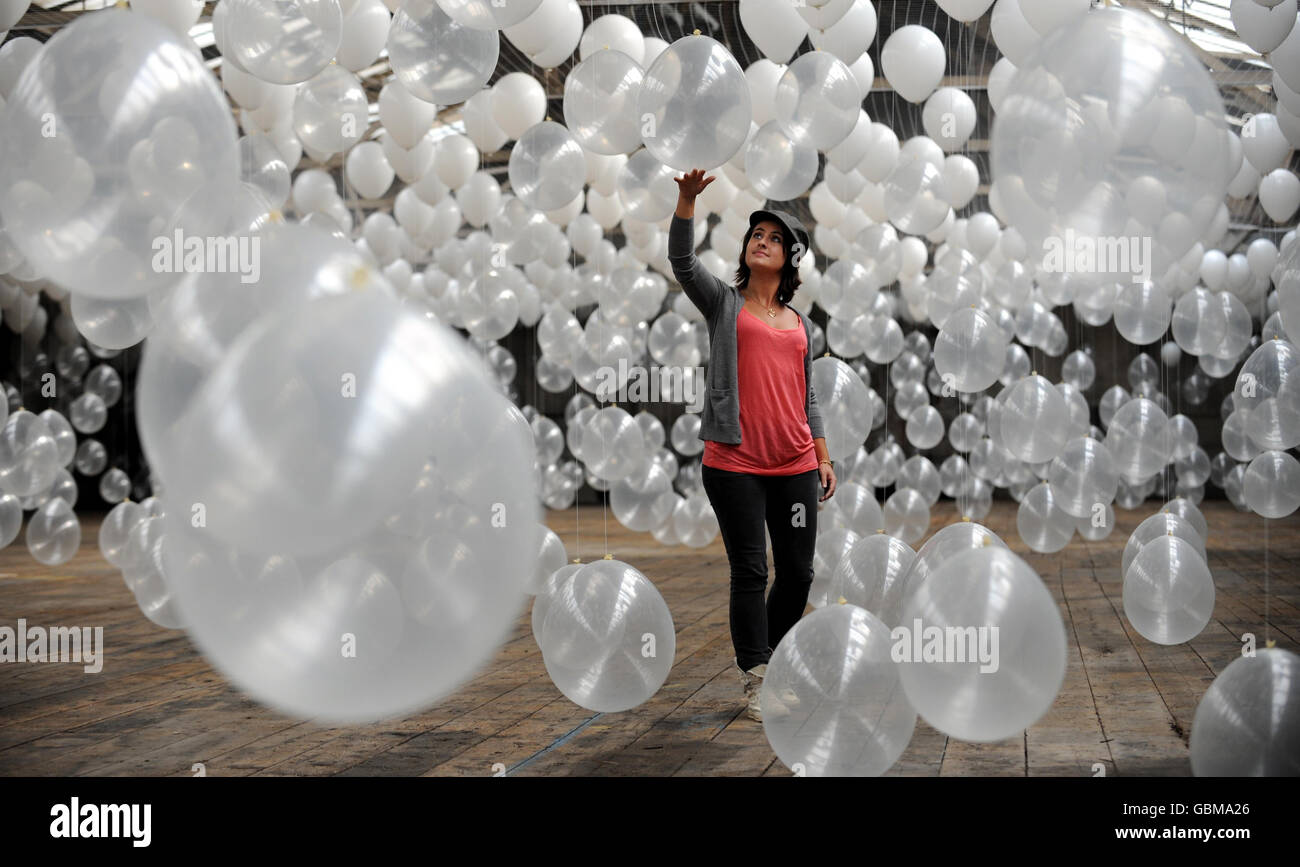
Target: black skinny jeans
[743,502]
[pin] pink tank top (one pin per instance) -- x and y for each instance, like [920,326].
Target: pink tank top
[775,439]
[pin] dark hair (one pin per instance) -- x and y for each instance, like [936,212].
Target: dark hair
[789,273]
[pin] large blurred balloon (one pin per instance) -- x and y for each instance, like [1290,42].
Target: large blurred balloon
[86,188]
[404,593]
[1070,147]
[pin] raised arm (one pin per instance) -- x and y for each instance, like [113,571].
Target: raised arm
[704,289]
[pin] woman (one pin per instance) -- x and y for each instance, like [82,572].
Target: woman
[765,457]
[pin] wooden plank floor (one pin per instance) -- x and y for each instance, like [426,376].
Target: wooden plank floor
[158,708]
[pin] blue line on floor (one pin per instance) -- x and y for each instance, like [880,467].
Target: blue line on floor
[558,742]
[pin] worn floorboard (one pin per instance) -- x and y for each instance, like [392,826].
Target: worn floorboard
[158,707]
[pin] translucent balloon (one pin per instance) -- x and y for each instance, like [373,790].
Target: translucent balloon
[834,541]
[924,427]
[695,105]
[599,623]
[947,542]
[1272,484]
[114,486]
[1068,146]
[1168,591]
[1042,524]
[1199,325]
[907,515]
[53,533]
[857,508]
[600,97]
[436,58]
[327,110]
[778,167]
[643,501]
[546,592]
[694,521]
[1079,370]
[29,454]
[283,41]
[88,203]
[1265,373]
[982,646]
[1084,478]
[414,615]
[104,381]
[1035,420]
[115,530]
[685,434]
[1248,722]
[88,413]
[817,100]
[552,146]
[91,457]
[845,406]
[968,353]
[64,438]
[832,703]
[871,576]
[1142,312]
[1096,526]
[11,519]
[918,473]
[915,196]
[646,188]
[1138,439]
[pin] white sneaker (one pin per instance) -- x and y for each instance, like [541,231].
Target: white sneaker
[752,682]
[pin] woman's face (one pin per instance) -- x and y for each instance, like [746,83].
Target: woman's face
[766,251]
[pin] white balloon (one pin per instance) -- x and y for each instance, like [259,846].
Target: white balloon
[1047,15]
[774,26]
[913,61]
[949,118]
[1279,195]
[850,37]
[617,32]
[1012,34]
[1261,27]
[965,10]
[456,160]
[518,103]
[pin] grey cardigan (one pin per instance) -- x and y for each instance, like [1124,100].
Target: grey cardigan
[721,303]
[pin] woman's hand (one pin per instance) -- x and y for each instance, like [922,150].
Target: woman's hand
[827,473]
[693,183]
